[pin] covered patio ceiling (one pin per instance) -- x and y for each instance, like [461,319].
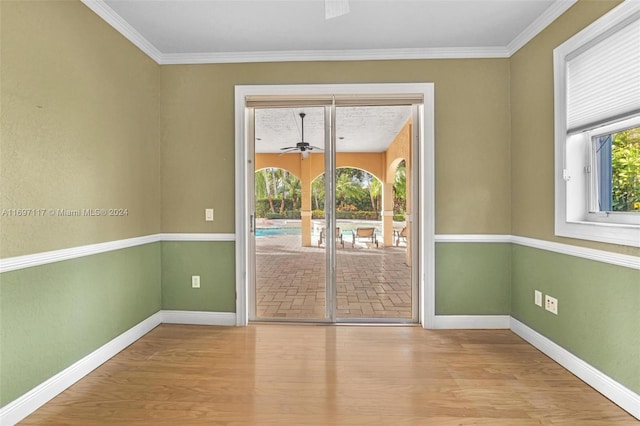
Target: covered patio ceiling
[359,129]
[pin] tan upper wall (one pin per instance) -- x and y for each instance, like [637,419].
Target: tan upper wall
[79,128]
[472,135]
[532,138]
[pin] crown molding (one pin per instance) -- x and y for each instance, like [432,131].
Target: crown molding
[130,33]
[333,55]
[112,18]
[543,21]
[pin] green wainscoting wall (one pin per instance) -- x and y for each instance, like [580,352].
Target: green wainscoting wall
[473,278]
[598,308]
[214,261]
[53,315]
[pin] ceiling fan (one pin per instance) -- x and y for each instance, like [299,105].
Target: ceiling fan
[335,8]
[302,146]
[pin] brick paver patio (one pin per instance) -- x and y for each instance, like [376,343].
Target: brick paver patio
[290,280]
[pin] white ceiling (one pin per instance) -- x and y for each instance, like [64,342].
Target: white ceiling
[187,31]
[358,129]
[222,31]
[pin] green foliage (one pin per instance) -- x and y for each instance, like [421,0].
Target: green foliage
[317,214]
[398,217]
[625,162]
[317,193]
[358,215]
[400,189]
[289,212]
[358,194]
[279,189]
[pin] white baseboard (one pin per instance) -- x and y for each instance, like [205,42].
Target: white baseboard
[17,410]
[20,408]
[471,322]
[198,318]
[619,394]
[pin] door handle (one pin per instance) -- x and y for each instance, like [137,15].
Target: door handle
[252,223]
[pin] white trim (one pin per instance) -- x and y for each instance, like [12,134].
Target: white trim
[571,208]
[124,28]
[427,177]
[198,237]
[583,252]
[536,27]
[26,404]
[30,260]
[130,33]
[609,257]
[36,259]
[198,318]
[472,238]
[471,322]
[619,394]
[334,55]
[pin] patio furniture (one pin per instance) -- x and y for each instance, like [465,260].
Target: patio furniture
[400,234]
[323,236]
[368,234]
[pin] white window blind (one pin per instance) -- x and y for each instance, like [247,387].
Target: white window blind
[603,80]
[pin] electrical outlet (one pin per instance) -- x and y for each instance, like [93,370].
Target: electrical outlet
[551,304]
[208,215]
[538,298]
[195,281]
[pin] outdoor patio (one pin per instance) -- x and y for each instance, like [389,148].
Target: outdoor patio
[290,280]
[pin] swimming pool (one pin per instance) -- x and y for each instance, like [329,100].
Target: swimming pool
[270,232]
[274,232]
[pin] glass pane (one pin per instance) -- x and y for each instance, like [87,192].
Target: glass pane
[617,158]
[290,255]
[373,258]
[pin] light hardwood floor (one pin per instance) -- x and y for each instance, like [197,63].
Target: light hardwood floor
[329,375]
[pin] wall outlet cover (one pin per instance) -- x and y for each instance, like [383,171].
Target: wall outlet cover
[551,304]
[538,298]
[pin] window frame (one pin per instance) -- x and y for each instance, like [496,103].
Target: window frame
[593,212]
[573,153]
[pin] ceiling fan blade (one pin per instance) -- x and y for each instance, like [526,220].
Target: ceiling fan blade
[289,148]
[335,8]
[311,148]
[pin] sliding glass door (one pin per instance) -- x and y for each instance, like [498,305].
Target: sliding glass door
[373,153]
[331,233]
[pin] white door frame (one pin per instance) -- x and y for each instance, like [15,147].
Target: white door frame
[426,240]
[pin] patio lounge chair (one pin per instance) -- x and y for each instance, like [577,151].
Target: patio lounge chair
[323,236]
[400,234]
[368,234]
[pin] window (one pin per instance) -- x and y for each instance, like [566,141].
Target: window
[614,172]
[597,130]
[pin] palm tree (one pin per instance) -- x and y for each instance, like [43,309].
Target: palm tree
[375,190]
[267,181]
[400,188]
[347,187]
[317,188]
